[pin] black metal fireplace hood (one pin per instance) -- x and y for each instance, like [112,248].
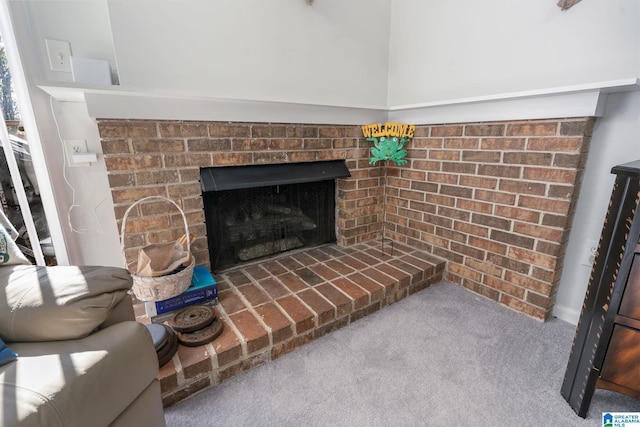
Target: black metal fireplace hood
[251,176]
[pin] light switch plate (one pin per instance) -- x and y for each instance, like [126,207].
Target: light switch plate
[59,55]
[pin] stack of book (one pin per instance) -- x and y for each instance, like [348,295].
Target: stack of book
[203,290]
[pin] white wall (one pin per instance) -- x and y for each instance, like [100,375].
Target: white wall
[616,140]
[443,50]
[83,23]
[88,218]
[333,52]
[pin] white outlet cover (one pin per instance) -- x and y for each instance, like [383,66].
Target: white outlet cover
[75,146]
[589,252]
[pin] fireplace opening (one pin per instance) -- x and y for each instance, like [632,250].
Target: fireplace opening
[253,212]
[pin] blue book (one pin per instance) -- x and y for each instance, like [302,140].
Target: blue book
[203,290]
[201,277]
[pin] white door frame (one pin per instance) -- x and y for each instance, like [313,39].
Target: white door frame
[23,95]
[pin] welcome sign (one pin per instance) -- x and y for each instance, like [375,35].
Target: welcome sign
[388,141]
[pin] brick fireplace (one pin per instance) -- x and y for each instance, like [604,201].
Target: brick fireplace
[496,200]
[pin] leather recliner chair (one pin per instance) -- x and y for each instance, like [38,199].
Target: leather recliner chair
[82,360]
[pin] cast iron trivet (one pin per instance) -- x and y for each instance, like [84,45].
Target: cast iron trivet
[192,318]
[202,336]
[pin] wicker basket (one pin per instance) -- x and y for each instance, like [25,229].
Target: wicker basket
[161,287]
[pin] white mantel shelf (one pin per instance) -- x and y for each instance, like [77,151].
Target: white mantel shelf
[587,100]
[120,102]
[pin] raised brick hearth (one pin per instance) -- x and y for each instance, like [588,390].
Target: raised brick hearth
[272,307]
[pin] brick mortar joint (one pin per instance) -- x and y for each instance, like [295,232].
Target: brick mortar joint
[179,369]
[234,329]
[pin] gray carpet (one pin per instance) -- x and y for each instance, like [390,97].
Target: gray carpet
[442,357]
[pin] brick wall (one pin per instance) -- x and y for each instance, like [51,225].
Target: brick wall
[494,199]
[497,201]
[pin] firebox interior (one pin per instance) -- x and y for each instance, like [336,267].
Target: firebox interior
[252,212]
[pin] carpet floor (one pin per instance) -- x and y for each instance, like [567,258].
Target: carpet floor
[443,356]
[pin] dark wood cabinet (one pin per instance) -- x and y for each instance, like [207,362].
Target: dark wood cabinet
[621,370]
[606,347]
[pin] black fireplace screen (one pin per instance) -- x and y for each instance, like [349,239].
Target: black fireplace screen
[245,224]
[253,223]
